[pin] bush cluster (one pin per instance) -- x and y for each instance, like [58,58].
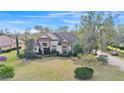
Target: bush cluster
[21,55]
[69,54]
[54,52]
[83,73]
[6,72]
[103,59]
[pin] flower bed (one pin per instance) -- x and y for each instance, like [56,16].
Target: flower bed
[3,58]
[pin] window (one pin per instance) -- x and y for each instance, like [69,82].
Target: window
[64,46]
[53,47]
[64,51]
[44,44]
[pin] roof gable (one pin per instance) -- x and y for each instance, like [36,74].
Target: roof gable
[70,37]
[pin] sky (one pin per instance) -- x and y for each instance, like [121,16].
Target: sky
[20,20]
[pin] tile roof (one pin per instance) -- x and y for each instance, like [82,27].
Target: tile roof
[7,41]
[66,36]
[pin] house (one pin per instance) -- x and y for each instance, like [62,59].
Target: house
[8,42]
[59,41]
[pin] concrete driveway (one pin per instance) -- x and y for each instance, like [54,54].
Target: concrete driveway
[113,60]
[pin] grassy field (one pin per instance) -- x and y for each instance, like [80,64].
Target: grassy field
[56,68]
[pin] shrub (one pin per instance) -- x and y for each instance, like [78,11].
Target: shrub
[69,54]
[53,52]
[122,48]
[3,58]
[75,54]
[6,72]
[79,56]
[64,55]
[103,59]
[83,73]
[21,55]
[1,65]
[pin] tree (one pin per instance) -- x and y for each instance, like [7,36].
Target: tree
[77,48]
[107,31]
[97,30]
[62,29]
[41,29]
[27,34]
[17,44]
[119,36]
[90,24]
[29,52]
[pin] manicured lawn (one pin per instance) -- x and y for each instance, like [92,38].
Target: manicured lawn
[56,68]
[49,69]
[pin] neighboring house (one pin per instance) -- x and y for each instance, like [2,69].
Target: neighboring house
[58,41]
[8,42]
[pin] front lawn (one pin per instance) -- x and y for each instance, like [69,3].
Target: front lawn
[57,68]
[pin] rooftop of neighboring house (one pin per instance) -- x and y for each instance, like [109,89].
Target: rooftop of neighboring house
[7,40]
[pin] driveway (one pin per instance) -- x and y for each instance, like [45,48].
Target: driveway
[114,60]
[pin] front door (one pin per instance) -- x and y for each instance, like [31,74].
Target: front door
[46,51]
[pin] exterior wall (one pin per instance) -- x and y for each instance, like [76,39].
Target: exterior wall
[53,44]
[59,49]
[44,40]
[69,47]
[65,46]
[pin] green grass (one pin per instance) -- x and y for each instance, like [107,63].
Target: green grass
[56,68]
[11,57]
[103,72]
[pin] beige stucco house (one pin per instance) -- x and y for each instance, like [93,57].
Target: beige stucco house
[60,41]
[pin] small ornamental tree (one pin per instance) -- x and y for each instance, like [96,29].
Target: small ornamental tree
[17,45]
